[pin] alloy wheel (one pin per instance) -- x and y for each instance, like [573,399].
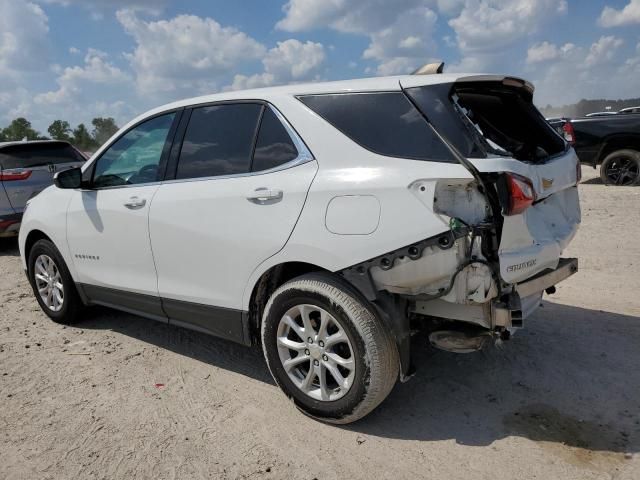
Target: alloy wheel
[49,283]
[315,352]
[622,171]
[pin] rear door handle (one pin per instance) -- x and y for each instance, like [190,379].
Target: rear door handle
[264,195]
[135,202]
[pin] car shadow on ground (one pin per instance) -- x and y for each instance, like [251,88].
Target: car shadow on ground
[199,346]
[9,247]
[570,378]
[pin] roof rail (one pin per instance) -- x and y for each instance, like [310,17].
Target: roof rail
[430,69]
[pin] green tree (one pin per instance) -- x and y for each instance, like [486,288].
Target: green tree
[82,139]
[103,129]
[19,129]
[60,130]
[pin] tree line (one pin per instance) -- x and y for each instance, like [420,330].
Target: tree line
[81,137]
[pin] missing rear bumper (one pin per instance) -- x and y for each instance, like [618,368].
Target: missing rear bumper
[548,278]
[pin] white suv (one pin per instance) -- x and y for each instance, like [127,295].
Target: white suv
[325,222]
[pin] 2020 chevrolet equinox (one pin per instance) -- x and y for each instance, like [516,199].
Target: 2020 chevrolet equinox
[324,222]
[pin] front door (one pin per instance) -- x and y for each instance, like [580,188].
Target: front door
[107,223]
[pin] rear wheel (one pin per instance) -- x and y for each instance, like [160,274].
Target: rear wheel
[621,167]
[327,349]
[52,284]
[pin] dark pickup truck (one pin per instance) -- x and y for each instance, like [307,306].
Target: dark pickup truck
[613,142]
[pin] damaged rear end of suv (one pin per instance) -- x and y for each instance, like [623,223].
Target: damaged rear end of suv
[508,225]
[501,226]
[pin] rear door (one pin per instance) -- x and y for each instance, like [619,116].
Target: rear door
[494,124]
[240,182]
[28,168]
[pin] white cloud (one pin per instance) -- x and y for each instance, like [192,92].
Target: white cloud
[595,71]
[290,61]
[484,25]
[400,32]
[545,51]
[73,81]
[404,44]
[629,15]
[186,55]
[603,50]
[486,29]
[24,30]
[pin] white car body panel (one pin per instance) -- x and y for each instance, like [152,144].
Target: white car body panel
[109,242]
[50,207]
[207,237]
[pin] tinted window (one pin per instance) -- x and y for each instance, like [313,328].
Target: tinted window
[386,123]
[34,154]
[274,145]
[135,157]
[219,140]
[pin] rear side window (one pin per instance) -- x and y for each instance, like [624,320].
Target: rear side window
[34,154]
[219,140]
[274,146]
[386,123]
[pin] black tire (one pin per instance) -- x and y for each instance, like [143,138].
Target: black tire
[621,168]
[72,305]
[372,344]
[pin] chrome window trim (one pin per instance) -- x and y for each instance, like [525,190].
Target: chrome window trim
[304,156]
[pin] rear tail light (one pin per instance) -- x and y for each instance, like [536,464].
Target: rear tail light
[4,224]
[568,133]
[11,175]
[521,194]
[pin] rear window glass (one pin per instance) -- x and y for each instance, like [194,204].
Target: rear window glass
[33,155]
[219,140]
[435,103]
[386,123]
[274,145]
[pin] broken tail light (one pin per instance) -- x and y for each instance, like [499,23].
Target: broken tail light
[521,194]
[11,175]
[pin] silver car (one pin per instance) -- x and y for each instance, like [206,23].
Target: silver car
[27,168]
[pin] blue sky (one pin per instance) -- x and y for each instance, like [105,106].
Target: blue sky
[76,59]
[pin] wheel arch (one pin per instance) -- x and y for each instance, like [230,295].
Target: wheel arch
[267,283]
[618,142]
[32,237]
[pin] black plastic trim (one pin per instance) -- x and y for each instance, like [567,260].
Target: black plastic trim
[221,322]
[148,306]
[217,321]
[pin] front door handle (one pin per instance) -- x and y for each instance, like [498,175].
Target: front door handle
[135,202]
[264,195]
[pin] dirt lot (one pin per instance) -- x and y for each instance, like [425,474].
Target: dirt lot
[121,397]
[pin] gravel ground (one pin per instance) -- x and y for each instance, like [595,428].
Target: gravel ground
[120,397]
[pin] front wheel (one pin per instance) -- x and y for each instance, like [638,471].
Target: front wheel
[327,348]
[621,167]
[52,284]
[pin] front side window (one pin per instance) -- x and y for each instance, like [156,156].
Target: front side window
[135,157]
[386,123]
[219,140]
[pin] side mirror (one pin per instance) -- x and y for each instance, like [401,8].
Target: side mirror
[71,178]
